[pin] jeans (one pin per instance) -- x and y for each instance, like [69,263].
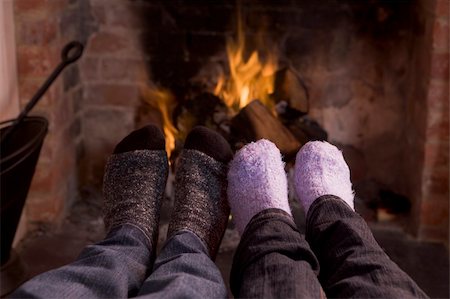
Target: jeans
[118,266]
[338,257]
[273,260]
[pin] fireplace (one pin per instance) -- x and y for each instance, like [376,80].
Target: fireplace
[371,77]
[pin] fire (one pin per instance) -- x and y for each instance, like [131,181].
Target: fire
[163,100]
[250,78]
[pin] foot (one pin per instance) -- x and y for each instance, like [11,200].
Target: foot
[200,188]
[320,169]
[135,180]
[256,182]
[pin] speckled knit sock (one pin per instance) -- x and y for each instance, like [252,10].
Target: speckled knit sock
[134,182]
[320,169]
[200,188]
[256,182]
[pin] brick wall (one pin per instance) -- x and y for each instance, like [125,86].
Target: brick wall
[40,35]
[434,210]
[113,69]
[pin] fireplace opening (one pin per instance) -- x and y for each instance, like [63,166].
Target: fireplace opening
[292,73]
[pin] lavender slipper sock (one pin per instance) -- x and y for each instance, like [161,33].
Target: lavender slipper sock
[320,169]
[134,182]
[201,205]
[256,182]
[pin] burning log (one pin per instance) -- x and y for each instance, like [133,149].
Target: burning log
[291,89]
[255,122]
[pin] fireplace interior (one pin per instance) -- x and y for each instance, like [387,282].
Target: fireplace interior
[369,76]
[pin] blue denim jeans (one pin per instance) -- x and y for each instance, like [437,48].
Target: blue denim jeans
[118,267]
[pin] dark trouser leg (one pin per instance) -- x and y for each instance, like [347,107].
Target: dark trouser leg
[112,268]
[273,260]
[351,261]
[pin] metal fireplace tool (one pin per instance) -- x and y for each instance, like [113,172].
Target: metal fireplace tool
[21,140]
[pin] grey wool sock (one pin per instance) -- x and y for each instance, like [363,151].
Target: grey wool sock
[200,188]
[135,181]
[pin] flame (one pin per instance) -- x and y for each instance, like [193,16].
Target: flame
[163,100]
[250,78]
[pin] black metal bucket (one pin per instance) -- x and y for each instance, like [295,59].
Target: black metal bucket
[18,159]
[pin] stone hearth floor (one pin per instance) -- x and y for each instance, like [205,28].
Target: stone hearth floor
[47,248]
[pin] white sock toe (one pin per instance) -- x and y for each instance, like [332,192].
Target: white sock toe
[320,169]
[256,182]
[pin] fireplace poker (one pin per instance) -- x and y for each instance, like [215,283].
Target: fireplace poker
[69,54]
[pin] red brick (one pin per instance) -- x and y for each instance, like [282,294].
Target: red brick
[128,70]
[30,5]
[46,209]
[434,213]
[436,185]
[36,61]
[47,148]
[89,68]
[38,6]
[438,95]
[112,94]
[439,66]
[126,16]
[62,112]
[439,186]
[440,36]
[439,130]
[28,88]
[40,209]
[442,8]
[51,175]
[99,14]
[107,43]
[436,153]
[42,181]
[37,32]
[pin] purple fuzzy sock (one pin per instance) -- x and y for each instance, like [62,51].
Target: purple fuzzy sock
[256,182]
[320,169]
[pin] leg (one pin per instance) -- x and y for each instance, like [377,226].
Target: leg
[273,259]
[116,267]
[185,267]
[352,263]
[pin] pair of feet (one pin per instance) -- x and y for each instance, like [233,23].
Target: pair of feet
[207,184]
[257,180]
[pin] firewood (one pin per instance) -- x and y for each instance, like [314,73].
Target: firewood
[255,121]
[290,88]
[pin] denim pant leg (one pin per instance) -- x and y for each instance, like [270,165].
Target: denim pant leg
[184,269]
[273,260]
[351,261]
[112,268]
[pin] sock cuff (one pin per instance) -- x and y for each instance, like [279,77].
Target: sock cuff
[201,159]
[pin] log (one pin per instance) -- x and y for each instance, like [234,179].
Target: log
[255,122]
[290,88]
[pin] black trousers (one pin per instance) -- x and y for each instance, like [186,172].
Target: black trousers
[338,257]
